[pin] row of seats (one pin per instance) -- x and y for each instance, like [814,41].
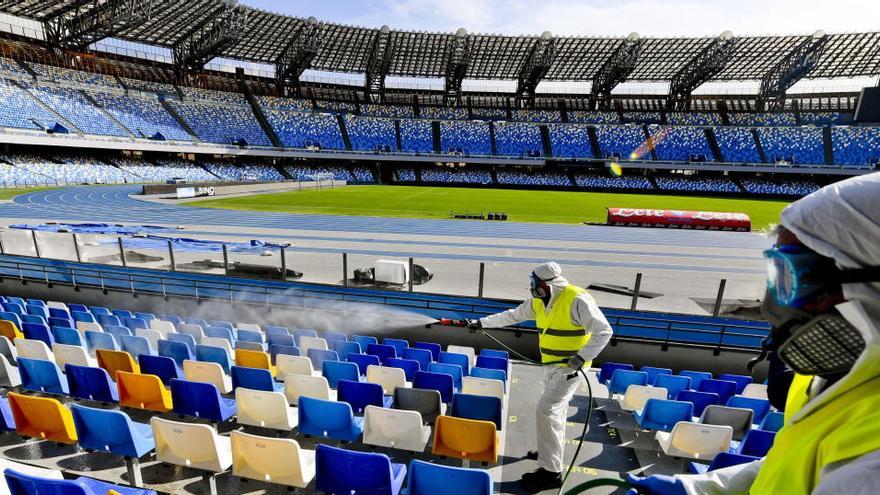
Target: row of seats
[145,375]
[728,413]
[451,175]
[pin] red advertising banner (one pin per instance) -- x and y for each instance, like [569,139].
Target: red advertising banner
[679,219]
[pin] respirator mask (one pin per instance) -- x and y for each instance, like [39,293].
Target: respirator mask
[538,288]
[808,334]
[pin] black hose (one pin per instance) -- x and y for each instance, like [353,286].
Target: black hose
[589,484]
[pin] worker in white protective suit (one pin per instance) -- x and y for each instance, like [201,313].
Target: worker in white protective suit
[573,331]
[823,301]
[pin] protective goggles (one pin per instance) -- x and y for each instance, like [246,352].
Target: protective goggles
[797,276]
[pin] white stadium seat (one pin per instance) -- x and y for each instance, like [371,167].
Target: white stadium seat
[264,409]
[274,460]
[395,428]
[695,440]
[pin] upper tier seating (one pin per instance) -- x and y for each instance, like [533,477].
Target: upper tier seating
[570,141]
[20,109]
[302,130]
[799,145]
[754,119]
[693,118]
[143,116]
[416,136]
[79,111]
[466,137]
[624,141]
[371,133]
[391,111]
[737,145]
[223,124]
[587,117]
[856,146]
[680,143]
[518,139]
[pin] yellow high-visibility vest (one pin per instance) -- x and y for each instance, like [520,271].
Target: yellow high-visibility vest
[846,427]
[560,338]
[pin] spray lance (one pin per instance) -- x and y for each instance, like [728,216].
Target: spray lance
[595,483]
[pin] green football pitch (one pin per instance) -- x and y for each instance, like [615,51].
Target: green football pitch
[520,205]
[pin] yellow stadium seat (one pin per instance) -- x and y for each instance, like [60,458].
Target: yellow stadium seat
[10,330]
[42,417]
[142,392]
[466,439]
[114,361]
[254,359]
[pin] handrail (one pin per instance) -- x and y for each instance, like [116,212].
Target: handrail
[167,284]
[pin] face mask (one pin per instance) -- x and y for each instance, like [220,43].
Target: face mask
[538,287]
[810,341]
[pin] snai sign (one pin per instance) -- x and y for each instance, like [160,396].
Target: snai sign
[679,219]
[194,192]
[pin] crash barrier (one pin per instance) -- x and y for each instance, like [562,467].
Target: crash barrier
[679,219]
[662,328]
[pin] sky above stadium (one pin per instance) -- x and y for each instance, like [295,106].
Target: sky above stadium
[593,17]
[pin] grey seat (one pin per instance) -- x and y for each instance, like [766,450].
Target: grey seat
[738,418]
[427,402]
[250,346]
[8,350]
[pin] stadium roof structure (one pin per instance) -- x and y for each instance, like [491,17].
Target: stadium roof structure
[197,30]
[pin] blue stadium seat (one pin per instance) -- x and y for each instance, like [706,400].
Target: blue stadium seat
[455,358]
[621,379]
[299,332]
[423,356]
[38,331]
[25,484]
[106,430]
[176,320]
[99,311]
[67,336]
[163,367]
[328,419]
[345,348]
[220,333]
[426,478]
[178,351]
[318,356]
[740,380]
[760,406]
[86,382]
[148,317]
[255,379]
[491,374]
[700,400]
[384,352]
[364,341]
[493,363]
[659,414]
[276,349]
[653,373]
[340,471]
[33,319]
[362,394]
[117,332]
[108,320]
[14,317]
[478,407]
[41,376]
[214,355]
[222,324]
[281,339]
[250,336]
[136,346]
[82,308]
[200,399]
[721,460]
[673,384]
[121,313]
[453,370]
[409,366]
[134,323]
[185,338]
[54,321]
[399,345]
[696,377]
[7,420]
[441,382]
[606,371]
[334,337]
[756,443]
[334,371]
[197,321]
[363,361]
[434,348]
[725,389]
[100,340]
[495,353]
[773,421]
[275,330]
